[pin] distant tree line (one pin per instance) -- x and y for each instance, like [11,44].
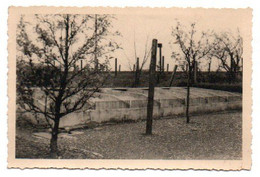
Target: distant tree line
[194,47]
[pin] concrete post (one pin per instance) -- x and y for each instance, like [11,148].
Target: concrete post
[152,80]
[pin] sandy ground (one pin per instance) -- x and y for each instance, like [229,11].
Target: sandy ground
[212,136]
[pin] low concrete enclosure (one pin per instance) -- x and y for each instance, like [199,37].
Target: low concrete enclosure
[120,104]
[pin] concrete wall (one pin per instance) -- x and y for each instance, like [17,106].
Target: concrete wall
[135,109]
[160,111]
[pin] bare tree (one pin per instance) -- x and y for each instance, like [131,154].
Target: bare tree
[228,49]
[192,47]
[51,47]
[139,64]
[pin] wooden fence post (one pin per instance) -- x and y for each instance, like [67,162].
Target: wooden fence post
[187,68]
[152,80]
[119,69]
[137,63]
[115,67]
[173,74]
[81,64]
[209,67]
[160,56]
[167,68]
[137,73]
[162,64]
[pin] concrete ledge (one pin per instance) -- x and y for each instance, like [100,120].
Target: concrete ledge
[124,105]
[135,114]
[140,113]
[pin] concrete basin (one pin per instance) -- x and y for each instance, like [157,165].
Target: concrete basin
[119,104]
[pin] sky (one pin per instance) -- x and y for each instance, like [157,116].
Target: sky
[137,27]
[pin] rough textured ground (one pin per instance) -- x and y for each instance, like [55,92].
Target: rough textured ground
[212,136]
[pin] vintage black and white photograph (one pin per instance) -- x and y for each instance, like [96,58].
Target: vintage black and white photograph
[130,84]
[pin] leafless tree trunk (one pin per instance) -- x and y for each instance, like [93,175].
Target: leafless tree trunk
[188,95]
[139,65]
[66,87]
[192,50]
[228,49]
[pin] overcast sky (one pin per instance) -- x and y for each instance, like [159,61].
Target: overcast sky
[138,26]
